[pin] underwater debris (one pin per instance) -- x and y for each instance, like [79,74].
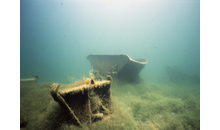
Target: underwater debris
[29,81]
[57,97]
[87,102]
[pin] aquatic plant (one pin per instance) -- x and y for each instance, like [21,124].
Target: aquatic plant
[91,75]
[72,79]
[144,106]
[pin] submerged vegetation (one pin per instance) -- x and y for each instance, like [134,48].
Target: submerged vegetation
[144,106]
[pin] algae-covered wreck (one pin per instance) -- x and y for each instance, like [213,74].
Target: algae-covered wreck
[92,100]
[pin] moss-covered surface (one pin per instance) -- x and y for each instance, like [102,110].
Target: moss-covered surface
[144,106]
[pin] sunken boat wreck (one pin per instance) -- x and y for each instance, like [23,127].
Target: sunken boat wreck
[91,101]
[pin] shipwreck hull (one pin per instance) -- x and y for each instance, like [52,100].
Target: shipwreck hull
[120,66]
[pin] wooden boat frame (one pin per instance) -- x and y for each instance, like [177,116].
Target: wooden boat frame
[85,103]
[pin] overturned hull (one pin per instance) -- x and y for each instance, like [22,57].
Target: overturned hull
[119,66]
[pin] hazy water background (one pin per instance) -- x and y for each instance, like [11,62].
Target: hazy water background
[57,36]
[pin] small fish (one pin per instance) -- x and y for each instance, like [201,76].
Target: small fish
[62,3]
[42,48]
